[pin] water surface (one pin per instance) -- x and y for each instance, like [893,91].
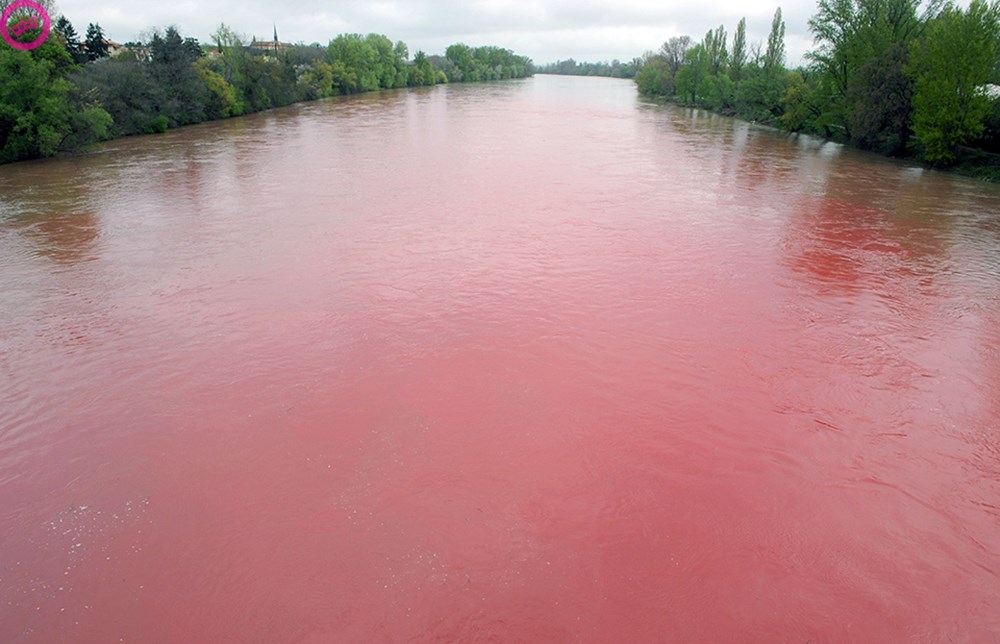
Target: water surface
[518,361]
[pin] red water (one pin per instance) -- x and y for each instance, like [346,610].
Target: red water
[525,362]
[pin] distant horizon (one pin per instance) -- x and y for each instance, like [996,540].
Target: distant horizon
[250,37]
[547,31]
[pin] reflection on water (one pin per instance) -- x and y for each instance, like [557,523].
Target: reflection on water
[64,238]
[519,361]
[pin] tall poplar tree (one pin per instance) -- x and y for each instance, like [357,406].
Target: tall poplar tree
[738,59]
[774,55]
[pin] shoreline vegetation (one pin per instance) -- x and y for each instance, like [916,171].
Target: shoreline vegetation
[912,80]
[66,95]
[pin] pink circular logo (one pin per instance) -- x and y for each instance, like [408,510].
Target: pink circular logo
[10,33]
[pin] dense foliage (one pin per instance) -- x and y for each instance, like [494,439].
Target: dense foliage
[893,76]
[472,64]
[41,111]
[67,94]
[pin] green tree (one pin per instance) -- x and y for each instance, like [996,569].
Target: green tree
[423,73]
[225,38]
[88,121]
[834,31]
[951,65]
[655,78]
[881,102]
[126,90]
[223,99]
[71,41]
[472,64]
[799,103]
[400,54]
[231,64]
[460,56]
[674,52]
[763,80]
[33,109]
[359,60]
[96,44]
[691,76]
[171,66]
[383,61]
[344,79]
[37,113]
[717,92]
[656,73]
[760,95]
[774,55]
[716,49]
[317,81]
[862,45]
[738,59]
[614,69]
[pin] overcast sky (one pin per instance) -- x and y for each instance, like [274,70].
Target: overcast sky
[545,30]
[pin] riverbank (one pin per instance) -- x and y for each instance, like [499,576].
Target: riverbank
[54,101]
[917,86]
[970,162]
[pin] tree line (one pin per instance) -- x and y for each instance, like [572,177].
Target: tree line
[899,77]
[614,69]
[68,93]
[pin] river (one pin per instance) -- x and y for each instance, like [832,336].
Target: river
[524,361]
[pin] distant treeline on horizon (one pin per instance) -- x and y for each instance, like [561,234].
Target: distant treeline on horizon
[614,69]
[67,93]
